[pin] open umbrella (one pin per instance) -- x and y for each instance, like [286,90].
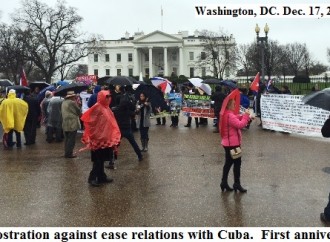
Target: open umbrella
[77,87]
[41,94]
[102,80]
[120,80]
[18,88]
[39,84]
[5,83]
[162,83]
[320,99]
[229,83]
[197,82]
[212,81]
[156,97]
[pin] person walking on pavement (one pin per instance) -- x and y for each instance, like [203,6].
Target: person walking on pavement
[71,113]
[101,136]
[123,114]
[143,111]
[13,112]
[32,119]
[231,138]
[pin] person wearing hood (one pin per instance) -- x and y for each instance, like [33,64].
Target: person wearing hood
[93,98]
[101,136]
[13,112]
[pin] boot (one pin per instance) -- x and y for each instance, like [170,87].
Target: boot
[143,142]
[237,186]
[146,144]
[224,186]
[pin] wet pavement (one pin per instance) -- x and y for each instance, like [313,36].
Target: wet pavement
[177,183]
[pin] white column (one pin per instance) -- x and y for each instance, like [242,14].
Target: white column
[135,62]
[150,63]
[180,61]
[165,62]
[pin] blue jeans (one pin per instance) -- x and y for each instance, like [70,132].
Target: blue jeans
[127,133]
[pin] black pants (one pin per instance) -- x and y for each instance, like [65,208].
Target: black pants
[98,157]
[127,133]
[228,163]
[163,119]
[144,133]
[30,131]
[196,121]
[175,120]
[10,138]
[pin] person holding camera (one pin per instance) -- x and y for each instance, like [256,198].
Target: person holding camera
[143,111]
[231,139]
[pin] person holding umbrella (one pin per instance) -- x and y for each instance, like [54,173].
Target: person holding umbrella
[71,113]
[231,124]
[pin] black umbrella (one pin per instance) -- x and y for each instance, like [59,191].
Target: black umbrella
[120,80]
[212,81]
[18,88]
[39,84]
[41,94]
[5,83]
[229,83]
[156,97]
[77,87]
[102,80]
[320,99]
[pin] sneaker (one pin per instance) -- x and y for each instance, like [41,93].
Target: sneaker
[94,183]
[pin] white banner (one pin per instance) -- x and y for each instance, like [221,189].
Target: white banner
[164,234]
[288,113]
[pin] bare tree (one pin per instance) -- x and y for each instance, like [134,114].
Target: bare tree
[52,35]
[218,52]
[11,52]
[274,56]
[328,54]
[295,54]
[244,60]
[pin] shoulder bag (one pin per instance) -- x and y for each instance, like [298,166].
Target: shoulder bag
[235,153]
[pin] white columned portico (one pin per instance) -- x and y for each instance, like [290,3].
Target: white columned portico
[180,61]
[165,62]
[150,62]
[136,70]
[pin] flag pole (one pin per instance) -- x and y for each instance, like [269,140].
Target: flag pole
[161,13]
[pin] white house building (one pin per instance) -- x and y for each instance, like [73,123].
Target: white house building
[154,54]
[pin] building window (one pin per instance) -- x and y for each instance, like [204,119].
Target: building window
[175,70]
[192,72]
[118,72]
[146,57]
[147,71]
[118,57]
[130,57]
[96,57]
[107,57]
[203,71]
[191,56]
[107,72]
[130,71]
[203,55]
[96,72]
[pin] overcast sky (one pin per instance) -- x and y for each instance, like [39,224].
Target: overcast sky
[112,18]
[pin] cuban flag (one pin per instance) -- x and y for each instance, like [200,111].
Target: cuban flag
[255,84]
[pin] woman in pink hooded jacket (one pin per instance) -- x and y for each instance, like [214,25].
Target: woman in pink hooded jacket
[231,138]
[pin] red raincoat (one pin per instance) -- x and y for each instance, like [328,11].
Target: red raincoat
[101,128]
